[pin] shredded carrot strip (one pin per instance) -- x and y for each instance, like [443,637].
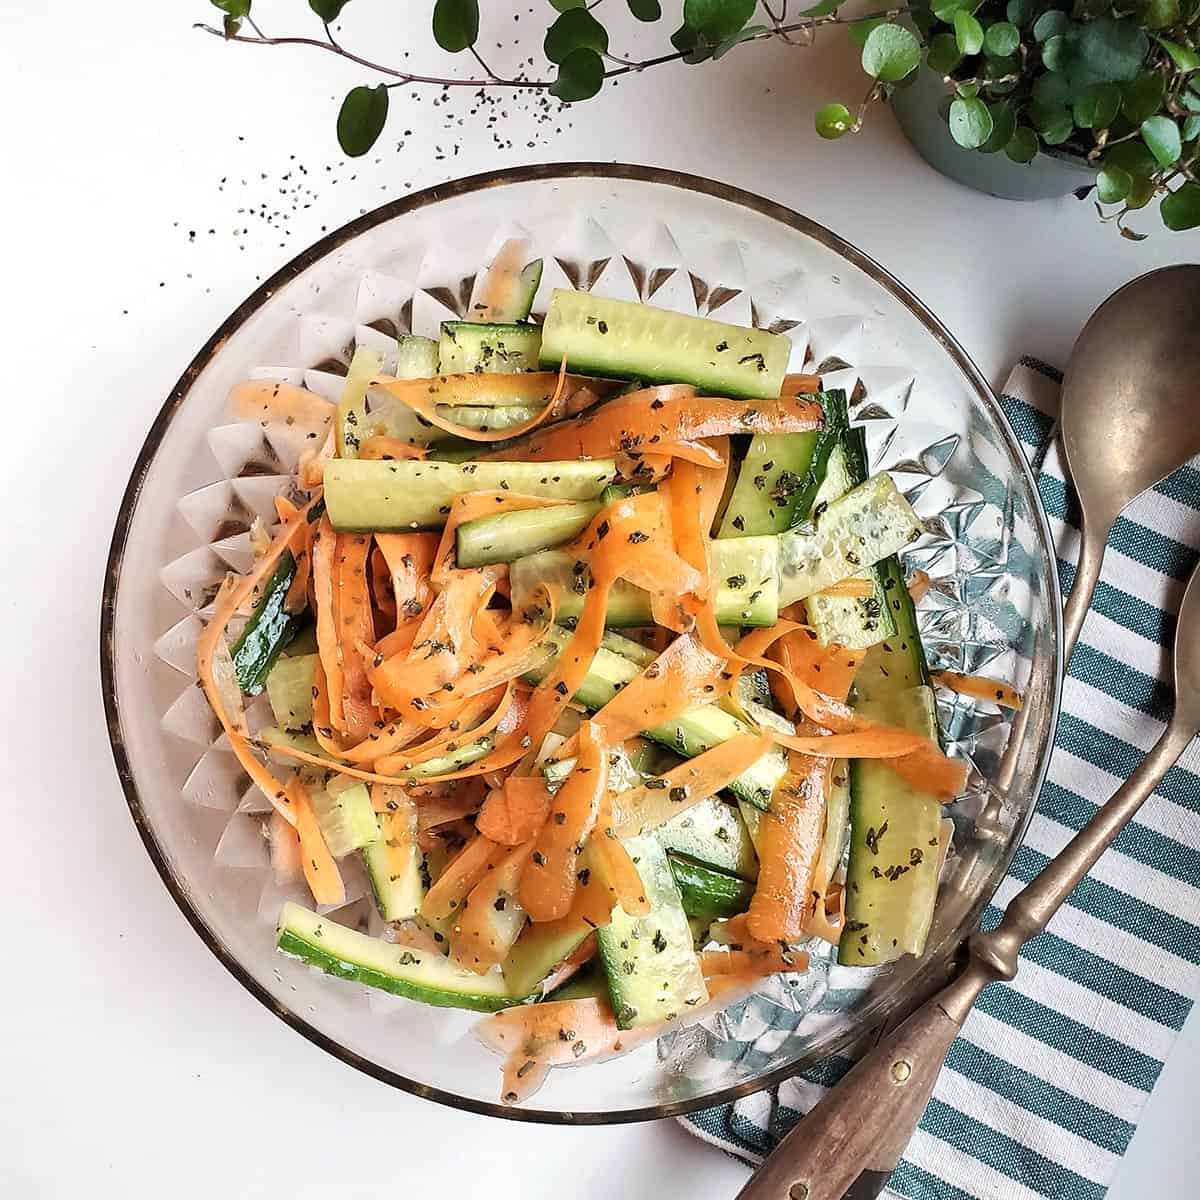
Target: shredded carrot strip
[643,808]
[311,471]
[791,841]
[409,557]
[747,964]
[263,401]
[980,687]
[452,739]
[660,415]
[229,599]
[382,595]
[423,397]
[919,585]
[516,812]
[548,884]
[617,870]
[328,643]
[798,385]
[320,870]
[850,588]
[355,625]
[459,877]
[479,940]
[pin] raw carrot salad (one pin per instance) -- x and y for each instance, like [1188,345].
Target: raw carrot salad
[589,639]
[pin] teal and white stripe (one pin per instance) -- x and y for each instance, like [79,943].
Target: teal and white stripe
[1042,1092]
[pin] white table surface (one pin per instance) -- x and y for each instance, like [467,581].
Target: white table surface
[131,1064]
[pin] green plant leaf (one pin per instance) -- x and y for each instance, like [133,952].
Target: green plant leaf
[944,10]
[361,119]
[834,121]
[1184,57]
[235,12]
[691,45]
[1004,125]
[943,55]
[1002,75]
[1161,134]
[328,10]
[456,24]
[1052,90]
[1056,52]
[1020,12]
[970,122]
[1052,23]
[1113,184]
[1133,157]
[573,29]
[1052,122]
[890,53]
[1142,97]
[1181,209]
[824,9]
[1191,128]
[968,32]
[1159,14]
[1023,145]
[645,10]
[716,20]
[1106,50]
[1097,108]
[580,76]
[1141,192]
[563,5]
[1001,40]
[859,31]
[968,90]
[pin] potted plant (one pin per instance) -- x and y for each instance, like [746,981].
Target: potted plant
[1020,98]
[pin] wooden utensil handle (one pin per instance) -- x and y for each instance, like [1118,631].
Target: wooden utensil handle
[842,1145]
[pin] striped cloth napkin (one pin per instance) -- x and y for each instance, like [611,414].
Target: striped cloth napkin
[1043,1089]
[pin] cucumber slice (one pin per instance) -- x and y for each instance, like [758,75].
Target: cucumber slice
[351,416]
[270,628]
[869,523]
[745,570]
[713,834]
[780,475]
[540,949]
[347,819]
[415,974]
[289,689]
[483,419]
[892,873]
[853,622]
[688,735]
[499,349]
[587,983]
[385,495]
[511,535]
[622,339]
[396,870]
[708,895]
[416,357]
[898,661]
[652,969]
[505,291]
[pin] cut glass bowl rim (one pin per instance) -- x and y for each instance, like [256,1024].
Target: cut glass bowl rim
[931,968]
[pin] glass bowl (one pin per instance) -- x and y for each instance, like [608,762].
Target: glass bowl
[638,233]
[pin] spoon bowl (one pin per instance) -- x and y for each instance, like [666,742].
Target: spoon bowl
[1130,408]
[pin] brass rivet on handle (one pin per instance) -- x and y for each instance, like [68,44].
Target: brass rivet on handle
[901,1070]
[798,1191]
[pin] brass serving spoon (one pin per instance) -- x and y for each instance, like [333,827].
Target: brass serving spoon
[1129,418]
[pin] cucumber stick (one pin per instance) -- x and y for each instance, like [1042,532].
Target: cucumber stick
[707,894]
[780,475]
[270,628]
[289,689]
[511,535]
[746,571]
[465,347]
[621,339]
[871,522]
[387,495]
[892,873]
[351,416]
[505,290]
[652,970]
[346,817]
[416,357]
[401,970]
